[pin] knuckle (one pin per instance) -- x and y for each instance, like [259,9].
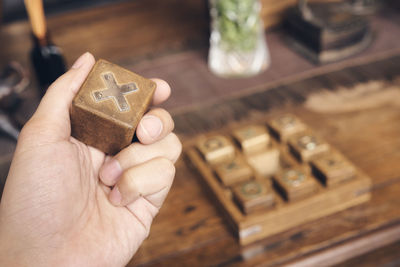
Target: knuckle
[130,154]
[167,166]
[130,183]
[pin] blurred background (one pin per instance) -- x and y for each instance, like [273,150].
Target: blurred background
[14,10]
[170,39]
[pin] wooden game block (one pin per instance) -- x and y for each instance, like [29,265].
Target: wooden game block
[295,183]
[216,149]
[109,106]
[285,126]
[333,168]
[254,195]
[306,146]
[234,171]
[252,138]
[266,162]
[307,202]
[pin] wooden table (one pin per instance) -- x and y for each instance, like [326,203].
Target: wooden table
[363,122]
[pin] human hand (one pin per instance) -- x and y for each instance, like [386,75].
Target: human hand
[69,204]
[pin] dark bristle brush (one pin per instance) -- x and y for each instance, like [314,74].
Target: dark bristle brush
[46,58]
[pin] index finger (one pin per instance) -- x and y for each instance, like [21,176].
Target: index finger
[162,92]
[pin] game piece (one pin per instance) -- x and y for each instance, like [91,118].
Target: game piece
[216,149]
[234,171]
[285,126]
[257,208]
[295,183]
[253,138]
[307,145]
[332,168]
[109,106]
[254,195]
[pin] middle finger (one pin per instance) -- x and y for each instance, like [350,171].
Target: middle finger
[169,147]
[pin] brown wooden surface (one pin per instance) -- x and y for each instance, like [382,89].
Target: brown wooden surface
[362,122]
[385,256]
[174,33]
[307,202]
[369,151]
[116,111]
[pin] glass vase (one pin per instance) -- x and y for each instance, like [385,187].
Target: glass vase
[237,43]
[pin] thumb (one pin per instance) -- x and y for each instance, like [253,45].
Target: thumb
[51,120]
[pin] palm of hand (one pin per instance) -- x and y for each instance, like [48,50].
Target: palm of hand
[56,210]
[75,213]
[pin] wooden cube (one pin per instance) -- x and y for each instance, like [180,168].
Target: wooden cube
[295,183]
[285,126]
[306,146]
[234,171]
[216,149]
[333,168]
[109,106]
[266,162]
[254,195]
[252,138]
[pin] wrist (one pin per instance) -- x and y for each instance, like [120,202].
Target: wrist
[12,254]
[8,257]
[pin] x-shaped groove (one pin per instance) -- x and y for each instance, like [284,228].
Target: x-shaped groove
[115,91]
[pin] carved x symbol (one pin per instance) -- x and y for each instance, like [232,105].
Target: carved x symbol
[115,91]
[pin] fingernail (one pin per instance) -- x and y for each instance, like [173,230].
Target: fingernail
[151,125]
[79,62]
[115,196]
[110,172]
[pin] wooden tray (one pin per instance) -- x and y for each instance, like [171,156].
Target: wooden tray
[285,214]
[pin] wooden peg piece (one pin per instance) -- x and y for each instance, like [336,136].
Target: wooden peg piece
[285,126]
[234,171]
[252,138]
[216,149]
[333,168]
[306,146]
[295,183]
[254,195]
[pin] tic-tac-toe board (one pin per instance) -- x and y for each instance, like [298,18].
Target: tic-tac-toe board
[270,177]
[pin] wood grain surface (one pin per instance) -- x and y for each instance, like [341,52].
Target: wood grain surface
[369,137]
[108,107]
[307,202]
[353,104]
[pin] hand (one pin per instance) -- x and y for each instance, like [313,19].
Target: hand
[68,204]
